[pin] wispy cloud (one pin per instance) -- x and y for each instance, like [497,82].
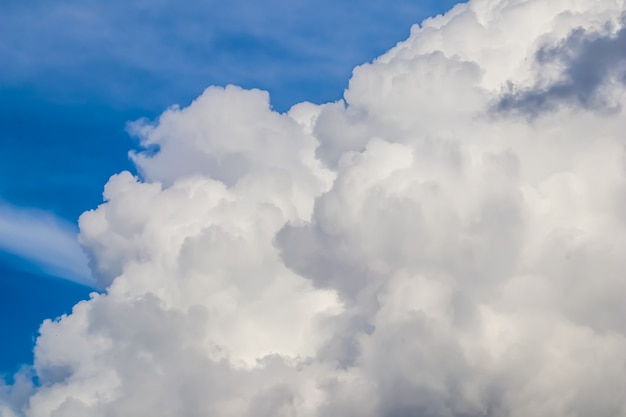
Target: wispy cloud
[46,241]
[107,46]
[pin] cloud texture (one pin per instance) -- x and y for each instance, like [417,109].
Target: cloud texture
[439,244]
[45,240]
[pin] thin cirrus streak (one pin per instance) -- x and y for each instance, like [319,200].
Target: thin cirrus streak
[46,242]
[432,245]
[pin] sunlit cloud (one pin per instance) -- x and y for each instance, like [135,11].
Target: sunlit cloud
[421,247]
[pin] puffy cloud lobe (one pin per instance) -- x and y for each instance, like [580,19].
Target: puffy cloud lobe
[405,252]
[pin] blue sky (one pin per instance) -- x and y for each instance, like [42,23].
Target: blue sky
[73,73]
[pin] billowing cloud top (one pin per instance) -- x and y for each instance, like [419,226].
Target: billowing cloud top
[449,241]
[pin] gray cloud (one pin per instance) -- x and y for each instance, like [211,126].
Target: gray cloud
[591,63]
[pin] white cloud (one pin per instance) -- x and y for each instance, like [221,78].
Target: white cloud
[44,240]
[413,251]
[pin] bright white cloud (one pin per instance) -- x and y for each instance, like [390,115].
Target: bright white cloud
[431,247]
[44,240]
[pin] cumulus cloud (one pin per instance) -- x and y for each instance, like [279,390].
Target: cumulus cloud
[402,252]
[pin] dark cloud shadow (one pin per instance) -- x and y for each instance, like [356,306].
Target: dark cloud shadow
[592,62]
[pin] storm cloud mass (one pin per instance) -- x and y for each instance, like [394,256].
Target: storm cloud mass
[447,241]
